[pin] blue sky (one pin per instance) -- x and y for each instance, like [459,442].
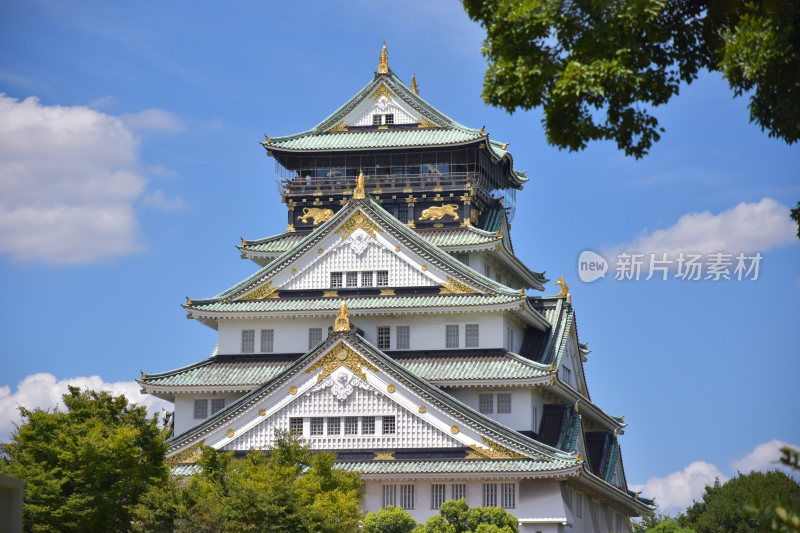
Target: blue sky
[162,106]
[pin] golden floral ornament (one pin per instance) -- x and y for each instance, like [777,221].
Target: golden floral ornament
[188,455]
[383,456]
[341,126]
[425,123]
[454,430]
[264,291]
[341,355]
[390,388]
[453,286]
[422,410]
[382,90]
[292,390]
[498,451]
[358,220]
[230,433]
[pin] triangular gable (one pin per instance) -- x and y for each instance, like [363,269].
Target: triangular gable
[381,101]
[323,376]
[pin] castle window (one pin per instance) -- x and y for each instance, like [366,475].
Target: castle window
[317,425]
[458,491]
[471,335]
[451,336]
[384,336]
[389,495]
[267,337]
[351,425]
[368,425]
[314,337]
[336,279]
[437,495]
[376,120]
[352,279]
[388,119]
[490,494]
[334,425]
[508,495]
[217,405]
[366,279]
[579,505]
[388,426]
[402,337]
[382,277]
[567,375]
[402,213]
[407,496]
[296,426]
[486,403]
[200,409]
[504,403]
[248,340]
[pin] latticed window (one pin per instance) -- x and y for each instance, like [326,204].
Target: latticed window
[402,213]
[334,425]
[579,505]
[368,425]
[316,427]
[376,120]
[217,405]
[407,496]
[248,340]
[486,403]
[267,340]
[508,495]
[459,490]
[296,426]
[314,337]
[382,278]
[366,279]
[437,495]
[402,337]
[352,279]
[471,335]
[464,258]
[504,402]
[336,279]
[389,496]
[201,409]
[451,336]
[389,119]
[351,425]
[384,337]
[490,494]
[388,426]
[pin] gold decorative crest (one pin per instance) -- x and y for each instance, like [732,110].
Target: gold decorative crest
[564,287]
[189,455]
[390,388]
[341,355]
[455,287]
[262,412]
[230,433]
[498,451]
[264,291]
[358,221]
[454,430]
[383,456]
[422,410]
[382,90]
[414,86]
[425,123]
[341,126]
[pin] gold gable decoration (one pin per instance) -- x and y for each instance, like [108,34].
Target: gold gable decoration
[341,355]
[264,291]
[358,221]
[455,287]
[494,450]
[189,455]
[340,126]
[425,123]
[382,90]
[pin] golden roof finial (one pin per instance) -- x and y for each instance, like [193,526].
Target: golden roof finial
[483,130]
[383,60]
[358,192]
[342,322]
[414,86]
[564,288]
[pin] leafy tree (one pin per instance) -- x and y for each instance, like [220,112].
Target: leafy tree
[780,516]
[389,520]
[724,507]
[661,525]
[456,516]
[290,489]
[596,67]
[85,466]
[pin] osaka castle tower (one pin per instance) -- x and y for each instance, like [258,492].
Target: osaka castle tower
[392,323]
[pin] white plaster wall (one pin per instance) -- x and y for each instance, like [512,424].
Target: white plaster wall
[184,408]
[521,416]
[426,333]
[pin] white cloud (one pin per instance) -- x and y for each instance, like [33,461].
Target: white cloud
[44,391]
[748,227]
[158,200]
[69,177]
[762,458]
[678,490]
[153,120]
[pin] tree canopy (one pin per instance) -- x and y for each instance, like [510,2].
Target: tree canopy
[598,68]
[85,466]
[454,516]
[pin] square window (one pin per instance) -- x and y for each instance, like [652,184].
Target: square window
[389,495]
[407,496]
[504,403]
[508,495]
[486,403]
[437,495]
[490,494]
[384,337]
[317,425]
[458,491]
[388,426]
[471,339]
[351,278]
[402,337]
[389,119]
[336,279]
[366,279]
[382,278]
[376,120]
[314,337]
[217,405]
[351,425]
[451,336]
[334,425]
[248,340]
[368,425]
[267,338]
[200,409]
[296,426]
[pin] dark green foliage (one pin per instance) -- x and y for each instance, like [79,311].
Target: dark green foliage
[456,516]
[85,466]
[389,520]
[289,490]
[598,68]
[723,508]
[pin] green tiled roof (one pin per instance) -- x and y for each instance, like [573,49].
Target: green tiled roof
[275,243]
[354,303]
[494,220]
[473,367]
[221,371]
[456,466]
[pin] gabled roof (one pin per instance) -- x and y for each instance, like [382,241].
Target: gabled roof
[471,287]
[514,443]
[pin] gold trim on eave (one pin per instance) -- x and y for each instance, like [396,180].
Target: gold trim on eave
[455,287]
[341,355]
[264,291]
